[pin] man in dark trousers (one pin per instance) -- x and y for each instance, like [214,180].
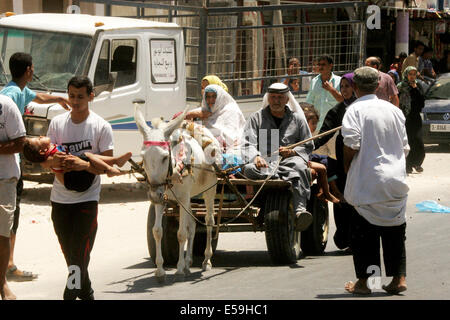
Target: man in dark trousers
[12,137]
[74,214]
[22,70]
[375,147]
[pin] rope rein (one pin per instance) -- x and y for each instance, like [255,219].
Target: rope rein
[240,213]
[135,167]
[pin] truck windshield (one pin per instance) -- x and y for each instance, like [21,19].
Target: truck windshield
[56,56]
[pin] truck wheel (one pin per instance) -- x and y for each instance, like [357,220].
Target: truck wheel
[315,238]
[169,241]
[283,242]
[200,243]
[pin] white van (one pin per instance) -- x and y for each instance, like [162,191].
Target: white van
[127,60]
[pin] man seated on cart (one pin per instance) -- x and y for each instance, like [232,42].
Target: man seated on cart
[270,130]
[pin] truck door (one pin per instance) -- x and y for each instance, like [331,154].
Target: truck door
[122,56]
[166,74]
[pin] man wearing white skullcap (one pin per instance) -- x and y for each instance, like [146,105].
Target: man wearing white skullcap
[271,129]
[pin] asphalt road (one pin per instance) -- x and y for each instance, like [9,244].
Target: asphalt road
[121,268]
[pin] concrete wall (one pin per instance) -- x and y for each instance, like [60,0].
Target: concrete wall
[50,6]
[87,8]
[32,6]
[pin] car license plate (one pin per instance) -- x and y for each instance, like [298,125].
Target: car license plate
[434,127]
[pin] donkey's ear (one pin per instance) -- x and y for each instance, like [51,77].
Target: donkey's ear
[140,121]
[174,124]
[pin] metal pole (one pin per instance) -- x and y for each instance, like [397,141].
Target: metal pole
[402,33]
[108,10]
[237,86]
[202,49]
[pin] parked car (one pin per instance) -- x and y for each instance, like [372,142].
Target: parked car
[436,113]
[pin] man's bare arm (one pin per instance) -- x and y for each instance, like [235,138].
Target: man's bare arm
[197,114]
[12,146]
[336,94]
[394,100]
[54,161]
[48,98]
[349,153]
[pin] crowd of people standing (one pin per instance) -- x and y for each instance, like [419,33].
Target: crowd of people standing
[363,213]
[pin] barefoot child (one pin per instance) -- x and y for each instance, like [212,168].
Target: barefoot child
[318,169]
[40,149]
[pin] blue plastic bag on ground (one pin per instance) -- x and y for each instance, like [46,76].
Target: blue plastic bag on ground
[432,206]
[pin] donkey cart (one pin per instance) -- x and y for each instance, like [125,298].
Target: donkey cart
[239,209]
[175,216]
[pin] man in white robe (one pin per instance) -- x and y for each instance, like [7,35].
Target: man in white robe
[375,148]
[271,129]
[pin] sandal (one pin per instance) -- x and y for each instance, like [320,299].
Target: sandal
[14,274]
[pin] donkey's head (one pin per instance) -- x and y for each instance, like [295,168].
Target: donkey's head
[156,152]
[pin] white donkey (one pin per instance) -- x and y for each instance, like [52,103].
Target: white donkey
[159,152]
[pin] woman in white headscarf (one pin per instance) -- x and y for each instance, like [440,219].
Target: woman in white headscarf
[222,116]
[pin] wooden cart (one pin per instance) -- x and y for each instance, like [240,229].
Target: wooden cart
[271,212]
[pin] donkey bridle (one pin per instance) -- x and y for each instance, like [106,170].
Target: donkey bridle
[165,145]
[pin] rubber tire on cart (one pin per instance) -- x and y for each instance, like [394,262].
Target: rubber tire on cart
[200,243]
[315,238]
[283,242]
[169,242]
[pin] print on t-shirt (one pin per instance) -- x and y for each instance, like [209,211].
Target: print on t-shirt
[77,147]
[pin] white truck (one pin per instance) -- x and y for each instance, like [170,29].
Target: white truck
[127,60]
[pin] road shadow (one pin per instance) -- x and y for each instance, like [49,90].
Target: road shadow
[222,261]
[244,259]
[147,264]
[337,253]
[226,260]
[150,282]
[434,148]
[110,193]
[238,259]
[352,296]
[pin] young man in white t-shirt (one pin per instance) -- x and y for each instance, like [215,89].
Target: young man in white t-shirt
[74,214]
[12,137]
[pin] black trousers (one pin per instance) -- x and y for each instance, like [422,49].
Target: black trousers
[365,245]
[19,190]
[415,139]
[76,227]
[342,211]
[342,216]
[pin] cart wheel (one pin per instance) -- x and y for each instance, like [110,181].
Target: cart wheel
[283,242]
[315,238]
[200,243]
[169,242]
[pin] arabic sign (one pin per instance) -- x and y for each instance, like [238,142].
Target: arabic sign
[164,68]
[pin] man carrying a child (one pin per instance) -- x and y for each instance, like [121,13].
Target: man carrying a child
[74,214]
